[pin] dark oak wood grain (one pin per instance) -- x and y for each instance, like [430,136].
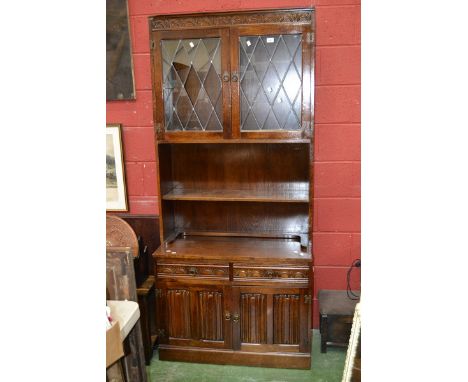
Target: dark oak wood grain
[241,217]
[232,248]
[229,28]
[222,195]
[234,270]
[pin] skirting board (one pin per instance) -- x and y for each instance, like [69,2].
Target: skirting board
[231,357]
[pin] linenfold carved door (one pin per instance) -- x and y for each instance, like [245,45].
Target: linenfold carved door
[194,315]
[271,319]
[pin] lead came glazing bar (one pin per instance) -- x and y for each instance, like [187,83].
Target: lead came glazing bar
[192,84]
[271,82]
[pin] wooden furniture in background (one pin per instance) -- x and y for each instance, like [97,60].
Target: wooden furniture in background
[145,227]
[233,114]
[121,248]
[336,311]
[352,369]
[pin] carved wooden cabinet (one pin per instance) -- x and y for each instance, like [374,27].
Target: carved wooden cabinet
[233,113]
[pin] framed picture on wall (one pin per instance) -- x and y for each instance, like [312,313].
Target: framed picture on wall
[120,83]
[116,192]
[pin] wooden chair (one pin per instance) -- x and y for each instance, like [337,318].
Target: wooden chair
[143,231]
[122,248]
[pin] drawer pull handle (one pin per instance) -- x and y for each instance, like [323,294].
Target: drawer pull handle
[270,273]
[193,271]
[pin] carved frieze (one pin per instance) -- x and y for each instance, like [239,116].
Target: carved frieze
[194,21]
[271,273]
[193,270]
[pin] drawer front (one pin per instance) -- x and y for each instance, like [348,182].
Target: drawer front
[286,273]
[193,270]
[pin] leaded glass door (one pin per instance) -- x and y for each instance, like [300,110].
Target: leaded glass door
[271,82]
[192,75]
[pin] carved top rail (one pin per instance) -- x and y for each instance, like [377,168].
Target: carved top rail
[206,20]
[120,234]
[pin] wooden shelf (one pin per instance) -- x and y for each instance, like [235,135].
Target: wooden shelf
[183,140]
[269,196]
[233,248]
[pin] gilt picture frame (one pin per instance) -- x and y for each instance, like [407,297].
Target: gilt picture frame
[116,191]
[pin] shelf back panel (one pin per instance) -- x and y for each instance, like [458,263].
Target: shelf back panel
[241,217]
[241,167]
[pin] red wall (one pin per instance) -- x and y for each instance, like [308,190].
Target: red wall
[337,218]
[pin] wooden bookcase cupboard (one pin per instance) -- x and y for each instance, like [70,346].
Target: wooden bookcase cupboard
[233,116]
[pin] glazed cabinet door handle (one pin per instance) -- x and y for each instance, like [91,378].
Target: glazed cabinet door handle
[226,77]
[234,77]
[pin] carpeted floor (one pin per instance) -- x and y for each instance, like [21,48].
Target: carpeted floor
[325,368]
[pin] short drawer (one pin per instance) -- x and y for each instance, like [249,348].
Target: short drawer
[287,273]
[192,270]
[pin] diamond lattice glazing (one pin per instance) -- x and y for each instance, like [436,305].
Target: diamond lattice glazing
[271,81]
[192,85]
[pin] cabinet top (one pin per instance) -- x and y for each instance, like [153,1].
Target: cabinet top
[234,249]
[226,19]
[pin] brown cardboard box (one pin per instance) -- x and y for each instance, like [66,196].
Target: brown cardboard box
[114,347]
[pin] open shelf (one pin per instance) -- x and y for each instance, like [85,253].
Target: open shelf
[233,247]
[271,195]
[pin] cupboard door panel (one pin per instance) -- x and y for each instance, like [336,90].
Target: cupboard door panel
[271,99]
[253,311]
[286,315]
[210,315]
[194,315]
[178,313]
[271,319]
